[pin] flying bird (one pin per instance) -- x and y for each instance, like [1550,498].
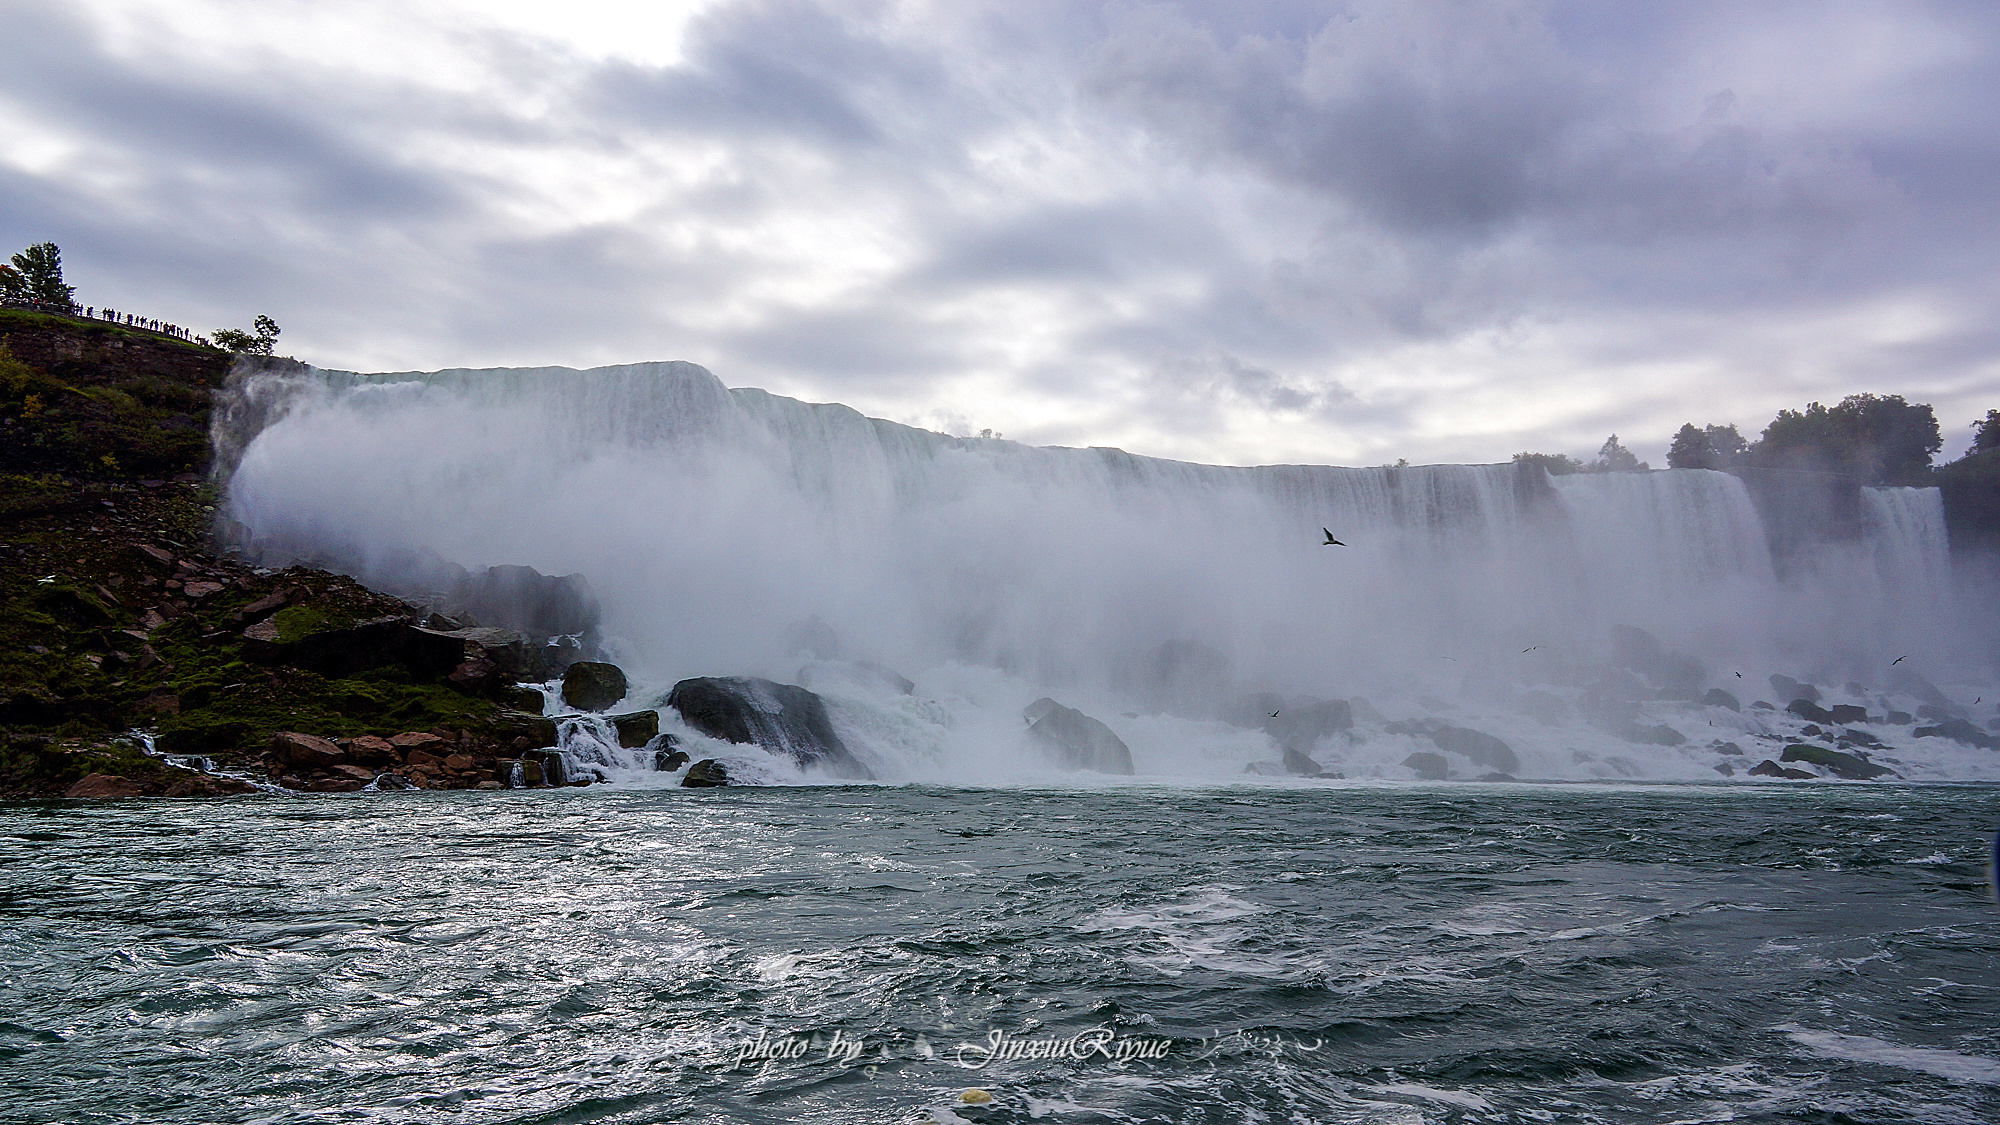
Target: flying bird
[1739,675]
[1274,714]
[1330,540]
[1531,648]
[1897,661]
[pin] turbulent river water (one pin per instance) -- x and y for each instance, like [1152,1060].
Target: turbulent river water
[1234,953]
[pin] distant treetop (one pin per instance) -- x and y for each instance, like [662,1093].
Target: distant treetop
[237,340]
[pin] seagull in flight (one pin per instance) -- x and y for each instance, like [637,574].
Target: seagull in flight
[1531,648]
[1274,714]
[1330,540]
[1897,661]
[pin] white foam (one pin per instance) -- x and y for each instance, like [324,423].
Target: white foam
[1929,1060]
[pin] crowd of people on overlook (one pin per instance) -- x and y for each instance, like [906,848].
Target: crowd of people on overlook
[113,316]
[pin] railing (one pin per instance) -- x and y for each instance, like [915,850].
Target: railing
[110,316]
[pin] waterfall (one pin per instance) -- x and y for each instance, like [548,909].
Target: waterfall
[712,523]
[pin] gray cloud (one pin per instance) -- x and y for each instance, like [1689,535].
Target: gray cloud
[1247,232]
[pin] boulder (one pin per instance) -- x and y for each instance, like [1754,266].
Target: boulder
[105,786]
[1960,730]
[1728,748]
[1769,768]
[1299,765]
[343,651]
[1264,769]
[1849,766]
[1810,711]
[527,700]
[1076,740]
[492,660]
[636,728]
[1716,697]
[1789,689]
[591,686]
[358,773]
[667,758]
[705,774]
[393,781]
[460,763]
[1428,766]
[307,752]
[523,598]
[416,740]
[1653,735]
[509,725]
[369,750]
[778,717]
[1482,748]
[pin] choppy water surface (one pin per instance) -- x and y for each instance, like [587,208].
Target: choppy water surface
[1499,953]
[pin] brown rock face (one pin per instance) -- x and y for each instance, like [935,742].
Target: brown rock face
[359,773]
[459,763]
[104,785]
[417,741]
[207,785]
[425,761]
[373,751]
[305,751]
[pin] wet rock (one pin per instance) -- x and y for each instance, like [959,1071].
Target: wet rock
[1482,748]
[1760,705]
[1810,711]
[1840,765]
[591,686]
[489,785]
[1845,713]
[423,761]
[1076,740]
[531,772]
[105,786]
[1428,766]
[460,763]
[264,607]
[1728,748]
[1716,697]
[305,751]
[1653,735]
[1960,730]
[356,773]
[527,700]
[419,741]
[1299,765]
[1264,769]
[636,728]
[337,652]
[207,785]
[536,729]
[369,750]
[393,781]
[1789,689]
[667,757]
[705,774]
[1498,777]
[492,660]
[524,599]
[779,717]
[1769,768]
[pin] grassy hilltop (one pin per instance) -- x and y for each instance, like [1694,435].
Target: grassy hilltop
[115,615]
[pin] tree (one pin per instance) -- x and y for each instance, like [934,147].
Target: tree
[237,340]
[1987,433]
[1878,439]
[1555,464]
[36,275]
[1711,447]
[1615,458]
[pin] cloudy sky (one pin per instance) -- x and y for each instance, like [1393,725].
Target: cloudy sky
[1243,232]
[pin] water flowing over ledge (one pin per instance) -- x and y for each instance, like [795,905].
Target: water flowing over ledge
[717,524]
